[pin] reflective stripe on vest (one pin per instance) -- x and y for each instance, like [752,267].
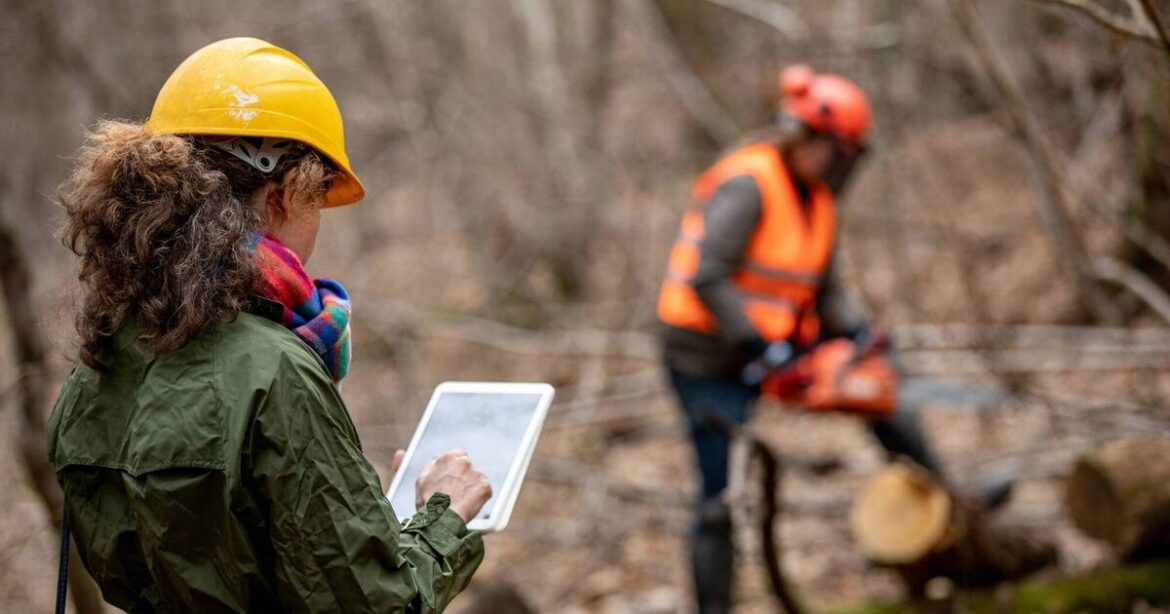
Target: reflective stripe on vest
[784,262]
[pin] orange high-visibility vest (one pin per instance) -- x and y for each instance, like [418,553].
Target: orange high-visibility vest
[785,259]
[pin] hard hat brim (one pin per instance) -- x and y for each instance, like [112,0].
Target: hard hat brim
[346,189]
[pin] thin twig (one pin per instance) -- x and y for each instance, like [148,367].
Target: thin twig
[1155,298]
[692,90]
[1106,18]
[1156,21]
[781,18]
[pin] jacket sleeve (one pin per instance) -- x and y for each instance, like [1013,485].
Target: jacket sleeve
[336,543]
[730,218]
[841,313]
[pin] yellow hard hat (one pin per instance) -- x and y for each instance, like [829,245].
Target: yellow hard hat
[248,87]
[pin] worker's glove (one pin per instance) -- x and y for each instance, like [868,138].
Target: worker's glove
[867,340]
[777,355]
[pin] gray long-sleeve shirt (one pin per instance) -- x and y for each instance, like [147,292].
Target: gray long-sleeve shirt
[730,218]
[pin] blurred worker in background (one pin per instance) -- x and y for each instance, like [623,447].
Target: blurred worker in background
[751,283]
[207,459]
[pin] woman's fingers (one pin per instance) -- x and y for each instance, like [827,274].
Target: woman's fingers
[453,473]
[397,462]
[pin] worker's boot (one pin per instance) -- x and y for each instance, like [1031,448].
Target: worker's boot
[901,435]
[711,556]
[994,493]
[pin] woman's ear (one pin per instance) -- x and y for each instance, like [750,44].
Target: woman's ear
[287,192]
[276,207]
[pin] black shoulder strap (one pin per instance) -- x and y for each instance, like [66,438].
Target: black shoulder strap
[63,565]
[264,308]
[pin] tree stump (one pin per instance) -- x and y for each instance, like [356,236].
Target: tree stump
[907,520]
[1120,494]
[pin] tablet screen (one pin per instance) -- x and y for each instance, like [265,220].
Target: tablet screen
[490,427]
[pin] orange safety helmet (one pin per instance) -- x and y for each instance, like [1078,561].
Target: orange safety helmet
[825,103]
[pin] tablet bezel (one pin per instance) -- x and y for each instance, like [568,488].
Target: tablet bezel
[505,498]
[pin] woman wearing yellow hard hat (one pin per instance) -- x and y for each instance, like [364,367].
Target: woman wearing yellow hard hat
[207,459]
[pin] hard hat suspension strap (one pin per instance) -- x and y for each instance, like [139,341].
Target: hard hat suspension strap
[262,154]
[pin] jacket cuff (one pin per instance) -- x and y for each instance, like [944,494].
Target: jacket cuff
[431,511]
[444,532]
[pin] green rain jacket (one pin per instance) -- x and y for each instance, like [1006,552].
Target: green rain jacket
[228,477]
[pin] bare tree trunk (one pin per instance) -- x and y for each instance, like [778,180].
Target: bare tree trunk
[564,125]
[32,386]
[1055,200]
[693,91]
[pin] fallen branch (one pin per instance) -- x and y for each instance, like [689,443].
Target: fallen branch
[1026,360]
[513,339]
[645,346]
[1033,336]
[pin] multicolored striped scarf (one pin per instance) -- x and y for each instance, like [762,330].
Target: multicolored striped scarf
[316,310]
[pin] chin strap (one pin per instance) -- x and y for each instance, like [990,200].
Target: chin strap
[261,154]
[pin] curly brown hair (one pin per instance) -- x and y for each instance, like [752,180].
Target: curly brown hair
[161,224]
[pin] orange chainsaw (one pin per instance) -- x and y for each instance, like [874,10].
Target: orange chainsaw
[857,377]
[838,375]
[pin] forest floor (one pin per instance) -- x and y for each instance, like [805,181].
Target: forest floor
[602,521]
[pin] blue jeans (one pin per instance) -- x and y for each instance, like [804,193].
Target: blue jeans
[712,559]
[725,396]
[711,543]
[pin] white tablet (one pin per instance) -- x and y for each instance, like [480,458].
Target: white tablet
[497,424]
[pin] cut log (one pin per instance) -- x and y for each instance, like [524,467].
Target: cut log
[905,519]
[1120,494]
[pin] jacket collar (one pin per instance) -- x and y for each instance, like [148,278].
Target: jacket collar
[265,308]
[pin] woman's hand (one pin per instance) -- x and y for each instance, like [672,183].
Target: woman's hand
[452,474]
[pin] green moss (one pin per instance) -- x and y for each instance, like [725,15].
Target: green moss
[1107,590]
[875,607]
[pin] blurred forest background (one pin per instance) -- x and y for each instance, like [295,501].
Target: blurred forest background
[527,162]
